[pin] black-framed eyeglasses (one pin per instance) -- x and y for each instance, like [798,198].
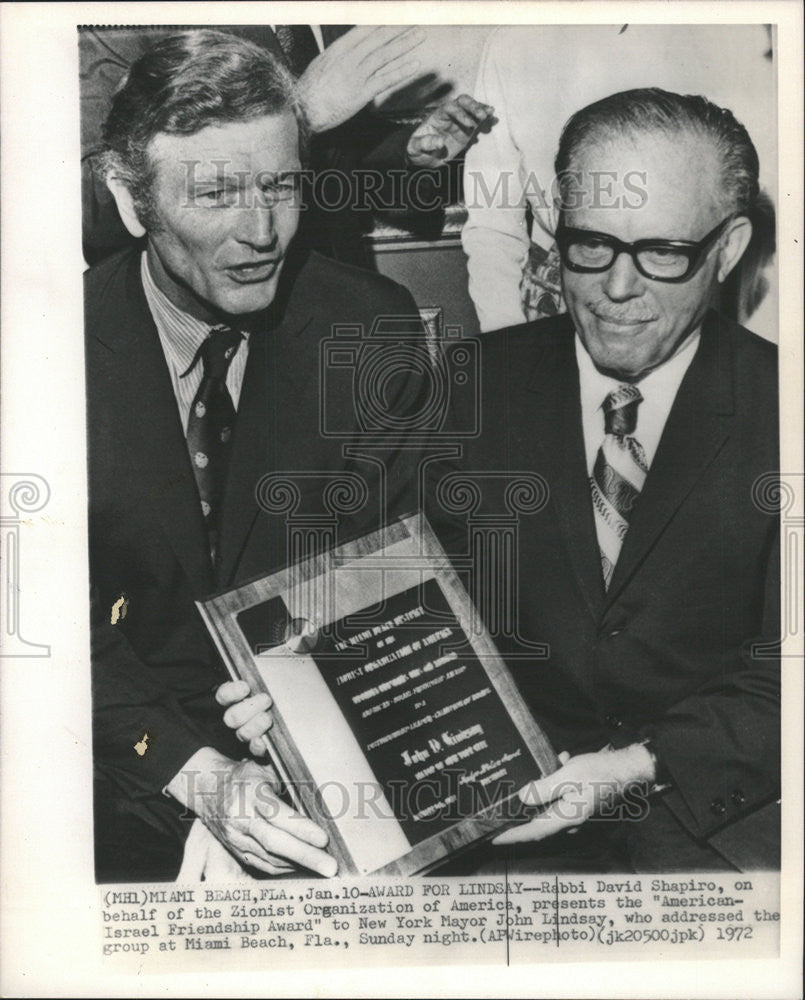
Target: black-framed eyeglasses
[587,252]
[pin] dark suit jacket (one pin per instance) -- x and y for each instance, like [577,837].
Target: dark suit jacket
[155,670]
[668,651]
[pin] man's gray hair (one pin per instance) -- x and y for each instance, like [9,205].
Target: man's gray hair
[182,84]
[650,109]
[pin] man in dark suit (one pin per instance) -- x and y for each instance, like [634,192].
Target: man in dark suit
[652,572]
[203,378]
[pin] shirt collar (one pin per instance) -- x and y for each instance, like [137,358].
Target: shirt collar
[662,382]
[181,334]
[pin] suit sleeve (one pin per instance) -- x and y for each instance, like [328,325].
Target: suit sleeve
[142,734]
[376,147]
[376,144]
[721,745]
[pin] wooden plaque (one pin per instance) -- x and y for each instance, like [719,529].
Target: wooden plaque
[397,726]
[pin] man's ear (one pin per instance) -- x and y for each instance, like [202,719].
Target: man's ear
[125,205]
[733,245]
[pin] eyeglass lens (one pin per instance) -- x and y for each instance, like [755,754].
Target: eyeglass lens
[660,262]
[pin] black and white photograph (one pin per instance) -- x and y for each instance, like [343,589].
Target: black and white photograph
[402,499]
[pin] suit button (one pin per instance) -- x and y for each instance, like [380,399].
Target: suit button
[738,798]
[613,722]
[718,807]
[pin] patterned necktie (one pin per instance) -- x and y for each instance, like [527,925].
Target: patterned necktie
[298,43]
[210,425]
[618,474]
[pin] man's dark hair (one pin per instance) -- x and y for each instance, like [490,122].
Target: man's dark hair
[650,109]
[182,84]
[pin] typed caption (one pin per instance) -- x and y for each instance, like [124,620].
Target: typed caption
[496,920]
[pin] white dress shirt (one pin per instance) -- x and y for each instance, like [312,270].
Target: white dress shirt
[181,335]
[658,389]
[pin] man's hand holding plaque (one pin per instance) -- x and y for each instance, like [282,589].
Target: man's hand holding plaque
[236,801]
[247,714]
[580,789]
[397,674]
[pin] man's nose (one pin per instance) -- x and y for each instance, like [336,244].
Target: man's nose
[623,280]
[257,225]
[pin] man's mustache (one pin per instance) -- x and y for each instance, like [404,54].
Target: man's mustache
[612,314]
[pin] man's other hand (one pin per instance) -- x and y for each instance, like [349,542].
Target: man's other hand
[206,859]
[580,789]
[366,64]
[247,714]
[237,802]
[447,131]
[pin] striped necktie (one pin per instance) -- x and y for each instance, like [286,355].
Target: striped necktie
[618,474]
[210,425]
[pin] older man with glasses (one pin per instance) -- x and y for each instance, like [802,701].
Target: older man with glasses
[652,573]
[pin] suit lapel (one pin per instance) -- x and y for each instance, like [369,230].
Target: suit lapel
[697,427]
[555,383]
[272,382]
[143,406]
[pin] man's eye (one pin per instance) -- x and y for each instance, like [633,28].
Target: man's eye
[280,190]
[216,196]
[590,248]
[663,257]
